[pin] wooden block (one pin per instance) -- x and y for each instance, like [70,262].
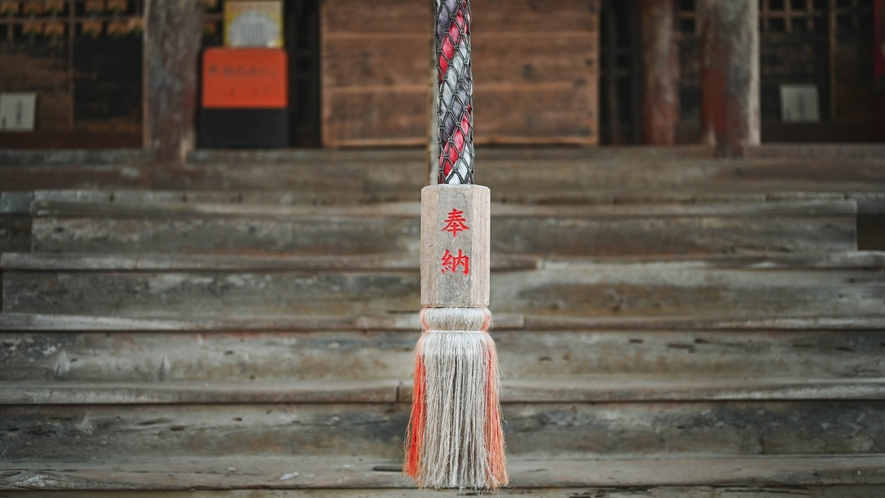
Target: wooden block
[455,250]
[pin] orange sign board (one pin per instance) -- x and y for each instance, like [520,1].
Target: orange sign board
[245,78]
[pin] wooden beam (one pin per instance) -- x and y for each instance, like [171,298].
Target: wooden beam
[172,42]
[730,115]
[660,71]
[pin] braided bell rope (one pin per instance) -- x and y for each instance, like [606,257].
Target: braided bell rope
[456,153]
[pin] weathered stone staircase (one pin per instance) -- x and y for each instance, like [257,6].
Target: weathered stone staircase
[668,324]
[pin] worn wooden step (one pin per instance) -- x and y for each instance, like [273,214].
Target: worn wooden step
[868,201]
[18,322]
[137,285]
[513,174]
[758,490]
[751,491]
[376,430]
[263,201]
[559,390]
[698,476]
[159,262]
[64,224]
[243,355]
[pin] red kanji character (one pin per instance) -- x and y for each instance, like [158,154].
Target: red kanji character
[455,223]
[451,263]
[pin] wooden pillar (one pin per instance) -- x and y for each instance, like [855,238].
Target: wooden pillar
[729,74]
[172,39]
[660,71]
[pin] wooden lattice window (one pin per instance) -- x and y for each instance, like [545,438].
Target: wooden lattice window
[792,16]
[688,21]
[827,43]
[71,19]
[82,58]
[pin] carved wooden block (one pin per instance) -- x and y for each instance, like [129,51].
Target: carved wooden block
[455,246]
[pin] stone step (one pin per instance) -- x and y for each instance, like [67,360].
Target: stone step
[183,354]
[809,285]
[698,476]
[513,174]
[521,391]
[64,224]
[375,430]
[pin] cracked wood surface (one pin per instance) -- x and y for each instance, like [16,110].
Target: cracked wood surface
[135,226]
[750,491]
[732,477]
[107,432]
[783,286]
[409,321]
[188,354]
[561,390]
[515,175]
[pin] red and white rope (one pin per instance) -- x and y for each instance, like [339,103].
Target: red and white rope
[455,92]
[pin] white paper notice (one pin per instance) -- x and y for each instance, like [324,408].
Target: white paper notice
[799,104]
[17,111]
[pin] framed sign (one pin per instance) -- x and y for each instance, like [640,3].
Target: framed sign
[17,111]
[253,24]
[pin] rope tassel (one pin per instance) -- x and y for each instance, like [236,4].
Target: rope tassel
[455,438]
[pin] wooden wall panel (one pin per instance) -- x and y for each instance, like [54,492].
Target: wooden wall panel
[375,116]
[535,71]
[351,62]
[44,71]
